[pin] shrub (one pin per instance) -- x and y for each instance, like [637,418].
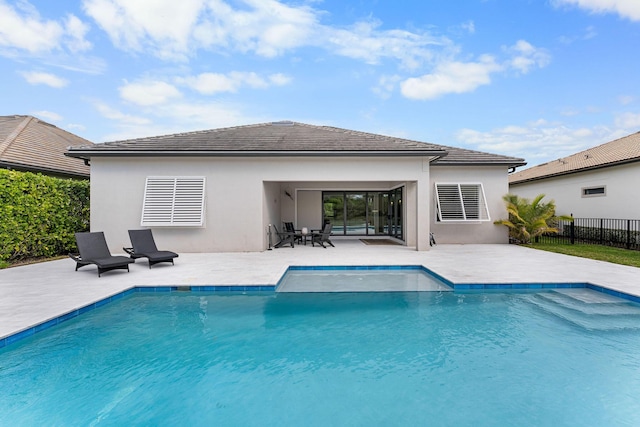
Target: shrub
[40,214]
[529,218]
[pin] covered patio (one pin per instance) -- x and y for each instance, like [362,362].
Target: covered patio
[356,210]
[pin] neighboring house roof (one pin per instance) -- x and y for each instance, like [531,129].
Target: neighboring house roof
[619,151]
[288,139]
[29,144]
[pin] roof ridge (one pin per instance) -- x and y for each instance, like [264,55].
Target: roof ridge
[14,134]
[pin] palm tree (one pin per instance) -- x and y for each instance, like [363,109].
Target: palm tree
[529,219]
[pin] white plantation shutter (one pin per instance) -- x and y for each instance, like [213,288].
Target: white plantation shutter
[461,202]
[173,201]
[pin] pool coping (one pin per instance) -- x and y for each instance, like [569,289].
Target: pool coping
[466,287]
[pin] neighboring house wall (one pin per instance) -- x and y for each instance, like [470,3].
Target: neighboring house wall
[493,179]
[245,194]
[620,201]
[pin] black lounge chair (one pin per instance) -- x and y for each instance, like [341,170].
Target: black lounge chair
[285,238]
[144,246]
[323,237]
[289,228]
[94,250]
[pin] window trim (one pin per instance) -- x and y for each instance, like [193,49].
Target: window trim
[583,191]
[173,201]
[452,200]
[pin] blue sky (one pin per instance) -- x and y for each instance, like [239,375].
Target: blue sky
[532,79]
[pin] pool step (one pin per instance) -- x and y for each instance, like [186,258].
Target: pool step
[589,309]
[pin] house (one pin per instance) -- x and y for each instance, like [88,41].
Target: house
[600,182]
[29,144]
[223,190]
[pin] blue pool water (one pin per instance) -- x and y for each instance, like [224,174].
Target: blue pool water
[565,357]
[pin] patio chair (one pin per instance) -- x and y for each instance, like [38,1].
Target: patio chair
[432,239]
[94,250]
[144,246]
[323,237]
[286,238]
[289,228]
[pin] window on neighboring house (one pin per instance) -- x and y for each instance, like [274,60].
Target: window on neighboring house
[173,201]
[461,202]
[594,191]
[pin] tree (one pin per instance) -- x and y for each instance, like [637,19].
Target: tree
[529,219]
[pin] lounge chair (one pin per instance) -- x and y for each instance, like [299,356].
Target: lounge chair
[94,250]
[323,237]
[289,228]
[285,238]
[144,246]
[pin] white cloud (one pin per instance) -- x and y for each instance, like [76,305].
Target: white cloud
[210,83]
[22,30]
[76,30]
[147,93]
[526,56]
[628,121]
[629,9]
[173,118]
[176,30]
[451,77]
[462,77]
[280,79]
[164,27]
[364,41]
[114,114]
[386,86]
[28,32]
[38,78]
[626,99]
[47,115]
[75,127]
[542,141]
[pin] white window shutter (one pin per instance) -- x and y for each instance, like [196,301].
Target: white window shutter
[461,202]
[173,201]
[449,202]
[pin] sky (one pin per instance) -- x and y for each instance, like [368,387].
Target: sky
[536,79]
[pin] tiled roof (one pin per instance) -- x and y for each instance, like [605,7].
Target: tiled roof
[27,143]
[284,138]
[619,151]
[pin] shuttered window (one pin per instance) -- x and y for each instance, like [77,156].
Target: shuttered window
[173,201]
[461,202]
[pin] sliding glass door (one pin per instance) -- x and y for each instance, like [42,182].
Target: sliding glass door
[395,213]
[364,213]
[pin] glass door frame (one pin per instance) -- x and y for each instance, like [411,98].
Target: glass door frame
[394,210]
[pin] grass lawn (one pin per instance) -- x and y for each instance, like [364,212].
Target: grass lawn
[601,253]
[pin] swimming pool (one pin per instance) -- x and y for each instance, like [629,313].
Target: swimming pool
[562,357]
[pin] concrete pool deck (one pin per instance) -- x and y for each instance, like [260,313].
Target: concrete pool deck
[33,294]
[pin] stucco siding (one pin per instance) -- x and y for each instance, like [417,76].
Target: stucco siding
[243,195]
[621,200]
[495,186]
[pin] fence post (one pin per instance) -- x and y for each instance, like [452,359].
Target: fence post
[573,230]
[628,234]
[601,230]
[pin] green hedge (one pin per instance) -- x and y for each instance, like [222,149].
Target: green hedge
[39,214]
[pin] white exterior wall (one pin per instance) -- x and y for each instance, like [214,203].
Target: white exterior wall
[244,195]
[621,201]
[494,181]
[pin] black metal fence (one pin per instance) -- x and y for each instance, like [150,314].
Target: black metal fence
[621,233]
